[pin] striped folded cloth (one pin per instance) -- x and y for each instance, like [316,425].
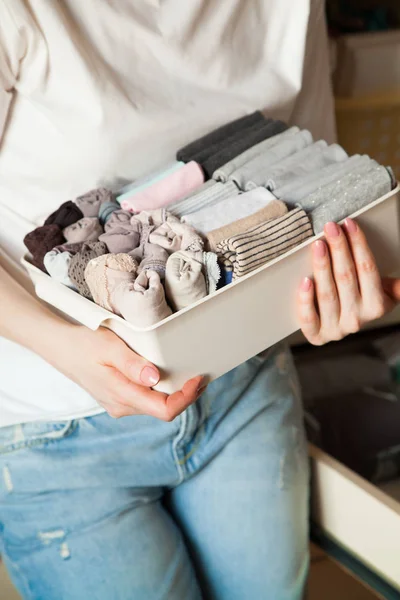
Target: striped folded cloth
[247,251]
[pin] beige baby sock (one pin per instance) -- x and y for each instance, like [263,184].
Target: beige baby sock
[184,279]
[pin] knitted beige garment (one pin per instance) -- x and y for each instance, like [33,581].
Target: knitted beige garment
[105,273]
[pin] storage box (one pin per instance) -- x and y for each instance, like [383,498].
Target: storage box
[223,330]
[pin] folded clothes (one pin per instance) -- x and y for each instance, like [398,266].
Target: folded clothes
[228,210]
[254,170]
[222,173]
[67,214]
[298,188]
[57,265]
[187,153]
[208,194]
[106,210]
[272,210]
[122,233]
[152,218]
[247,251]
[167,190]
[90,202]
[184,279]
[87,229]
[41,240]
[71,248]
[154,177]
[241,143]
[174,235]
[105,273]
[152,258]
[142,302]
[79,261]
[336,201]
[311,159]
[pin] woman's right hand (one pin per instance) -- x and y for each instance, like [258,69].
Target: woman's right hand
[118,378]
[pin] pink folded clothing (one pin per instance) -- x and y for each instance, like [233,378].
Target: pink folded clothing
[170,189]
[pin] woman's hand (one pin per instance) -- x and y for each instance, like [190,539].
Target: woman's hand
[347,290]
[120,380]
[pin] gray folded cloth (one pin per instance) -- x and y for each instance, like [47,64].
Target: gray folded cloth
[298,188]
[87,229]
[338,200]
[90,202]
[151,257]
[309,160]
[222,174]
[254,170]
[122,232]
[184,279]
[207,195]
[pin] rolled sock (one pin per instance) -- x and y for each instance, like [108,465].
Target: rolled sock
[167,190]
[87,229]
[118,218]
[142,302]
[105,273]
[174,235]
[57,265]
[208,195]
[154,258]
[240,144]
[90,202]
[106,210]
[311,159]
[41,240]
[222,173]
[247,251]
[255,169]
[122,235]
[228,210]
[79,261]
[67,214]
[345,199]
[186,153]
[299,187]
[143,182]
[273,210]
[184,279]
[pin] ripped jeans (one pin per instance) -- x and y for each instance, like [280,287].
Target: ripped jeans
[213,505]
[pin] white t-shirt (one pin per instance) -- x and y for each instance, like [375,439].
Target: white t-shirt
[98,93]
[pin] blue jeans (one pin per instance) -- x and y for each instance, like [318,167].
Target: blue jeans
[213,505]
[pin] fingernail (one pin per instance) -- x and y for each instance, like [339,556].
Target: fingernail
[149,376]
[332,230]
[306,284]
[319,249]
[351,225]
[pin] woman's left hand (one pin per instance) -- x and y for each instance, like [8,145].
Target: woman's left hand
[347,290]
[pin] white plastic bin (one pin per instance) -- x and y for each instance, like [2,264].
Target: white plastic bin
[223,330]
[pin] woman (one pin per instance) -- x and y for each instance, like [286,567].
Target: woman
[180,499]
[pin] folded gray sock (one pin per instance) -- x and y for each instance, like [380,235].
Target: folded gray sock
[206,197]
[254,170]
[344,198]
[222,174]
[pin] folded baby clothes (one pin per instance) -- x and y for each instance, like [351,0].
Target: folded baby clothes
[167,190]
[67,214]
[222,173]
[255,169]
[247,251]
[339,200]
[151,257]
[240,143]
[90,202]
[174,235]
[184,279]
[122,233]
[298,188]
[57,265]
[207,195]
[79,261]
[311,159]
[106,210]
[142,302]
[187,153]
[154,177]
[87,229]
[228,210]
[152,218]
[105,273]
[273,210]
[41,240]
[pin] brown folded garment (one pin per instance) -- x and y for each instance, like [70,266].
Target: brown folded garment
[273,210]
